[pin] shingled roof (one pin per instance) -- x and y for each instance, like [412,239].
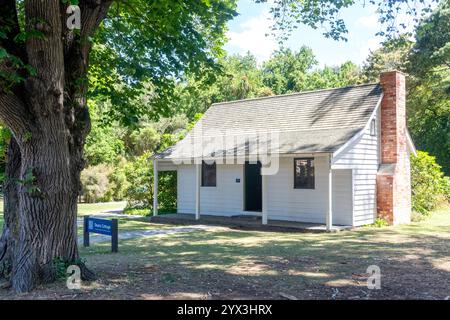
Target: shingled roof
[308,122]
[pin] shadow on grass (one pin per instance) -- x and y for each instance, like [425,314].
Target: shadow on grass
[414,262]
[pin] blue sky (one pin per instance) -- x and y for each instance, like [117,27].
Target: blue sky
[247,33]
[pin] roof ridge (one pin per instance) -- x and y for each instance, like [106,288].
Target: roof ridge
[293,94]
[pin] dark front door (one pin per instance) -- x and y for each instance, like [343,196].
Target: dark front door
[253,187]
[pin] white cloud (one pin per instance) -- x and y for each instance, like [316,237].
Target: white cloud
[253,37]
[371,45]
[370,22]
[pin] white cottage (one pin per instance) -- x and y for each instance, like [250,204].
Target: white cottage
[338,157]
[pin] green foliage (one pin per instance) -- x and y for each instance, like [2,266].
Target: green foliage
[144,139]
[379,223]
[429,122]
[326,15]
[139,176]
[103,145]
[286,70]
[334,77]
[427,62]
[139,193]
[61,266]
[393,55]
[27,136]
[96,183]
[167,192]
[241,79]
[137,211]
[432,46]
[427,182]
[429,89]
[145,47]
[29,181]
[118,182]
[446,188]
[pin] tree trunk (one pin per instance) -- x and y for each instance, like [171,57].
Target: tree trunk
[41,192]
[49,120]
[48,218]
[10,235]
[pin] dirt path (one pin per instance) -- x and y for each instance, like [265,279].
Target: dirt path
[125,235]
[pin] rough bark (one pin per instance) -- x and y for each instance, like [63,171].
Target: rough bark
[49,121]
[10,234]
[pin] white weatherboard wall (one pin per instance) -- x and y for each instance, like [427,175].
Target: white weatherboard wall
[225,199]
[364,158]
[283,201]
[186,189]
[309,205]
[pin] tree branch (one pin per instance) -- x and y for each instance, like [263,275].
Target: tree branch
[15,115]
[76,57]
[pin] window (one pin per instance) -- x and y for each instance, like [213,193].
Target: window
[304,173]
[373,128]
[208,174]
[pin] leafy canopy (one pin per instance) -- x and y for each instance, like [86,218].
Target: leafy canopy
[144,47]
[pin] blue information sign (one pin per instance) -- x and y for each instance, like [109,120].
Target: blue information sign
[100,226]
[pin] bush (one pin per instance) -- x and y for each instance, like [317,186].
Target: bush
[144,139]
[103,145]
[446,188]
[427,183]
[139,194]
[139,176]
[118,182]
[167,192]
[380,222]
[96,183]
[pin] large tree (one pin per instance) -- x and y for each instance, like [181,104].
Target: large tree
[429,88]
[427,63]
[44,67]
[44,88]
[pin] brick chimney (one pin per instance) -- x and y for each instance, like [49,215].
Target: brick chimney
[394,178]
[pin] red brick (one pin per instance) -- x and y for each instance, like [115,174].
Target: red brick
[394,188]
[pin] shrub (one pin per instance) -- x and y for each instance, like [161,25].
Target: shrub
[137,211]
[380,222]
[427,182]
[139,176]
[144,139]
[103,145]
[139,194]
[167,191]
[118,182]
[446,188]
[96,183]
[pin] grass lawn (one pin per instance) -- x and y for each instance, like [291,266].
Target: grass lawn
[84,208]
[91,208]
[226,263]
